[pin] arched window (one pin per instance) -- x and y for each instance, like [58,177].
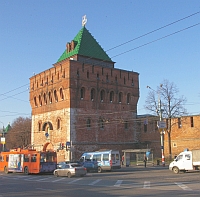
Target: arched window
[50,97]
[82,93]
[124,80]
[58,123]
[107,78]
[120,97]
[32,87]
[47,126]
[61,94]
[45,99]
[88,123]
[145,128]
[92,94]
[102,95]
[40,100]
[132,82]
[128,98]
[39,125]
[55,96]
[63,75]
[126,124]
[35,101]
[87,74]
[111,96]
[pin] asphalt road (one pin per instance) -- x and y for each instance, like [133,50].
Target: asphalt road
[126,182]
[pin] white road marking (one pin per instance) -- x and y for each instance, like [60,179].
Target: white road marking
[29,178]
[146,185]
[43,179]
[118,183]
[182,186]
[94,182]
[44,189]
[75,180]
[58,180]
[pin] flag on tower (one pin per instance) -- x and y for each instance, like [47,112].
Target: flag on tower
[7,128]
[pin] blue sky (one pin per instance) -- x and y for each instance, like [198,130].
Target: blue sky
[34,33]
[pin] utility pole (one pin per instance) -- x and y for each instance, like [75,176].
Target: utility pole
[161,125]
[3,138]
[161,135]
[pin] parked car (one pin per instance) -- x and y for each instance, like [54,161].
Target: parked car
[62,164]
[71,169]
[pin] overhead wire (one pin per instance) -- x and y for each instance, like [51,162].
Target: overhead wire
[140,37]
[153,31]
[2,94]
[12,96]
[146,35]
[127,43]
[157,39]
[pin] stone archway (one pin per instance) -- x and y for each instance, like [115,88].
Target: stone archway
[47,146]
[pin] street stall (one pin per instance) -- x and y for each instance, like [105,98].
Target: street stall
[136,157]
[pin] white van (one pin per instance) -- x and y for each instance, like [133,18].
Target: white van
[105,160]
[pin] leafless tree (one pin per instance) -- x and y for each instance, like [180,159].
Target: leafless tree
[165,102]
[20,133]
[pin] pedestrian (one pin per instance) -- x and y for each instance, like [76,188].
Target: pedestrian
[122,159]
[145,161]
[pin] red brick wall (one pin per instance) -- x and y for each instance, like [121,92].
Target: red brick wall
[73,113]
[187,136]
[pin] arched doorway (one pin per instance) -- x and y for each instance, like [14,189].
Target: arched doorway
[47,146]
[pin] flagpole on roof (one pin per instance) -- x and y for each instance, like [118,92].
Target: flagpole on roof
[84,20]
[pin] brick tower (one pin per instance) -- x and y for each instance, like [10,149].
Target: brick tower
[83,103]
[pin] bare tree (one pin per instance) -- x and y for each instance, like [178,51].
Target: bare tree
[165,101]
[20,133]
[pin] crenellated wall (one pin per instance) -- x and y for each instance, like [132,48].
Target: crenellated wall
[93,107]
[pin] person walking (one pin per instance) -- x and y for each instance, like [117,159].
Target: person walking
[145,161]
[122,159]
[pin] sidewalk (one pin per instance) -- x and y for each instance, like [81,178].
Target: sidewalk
[141,167]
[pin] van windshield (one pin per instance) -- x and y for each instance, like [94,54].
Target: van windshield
[179,157]
[81,159]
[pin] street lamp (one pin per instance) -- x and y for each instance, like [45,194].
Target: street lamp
[161,126]
[3,137]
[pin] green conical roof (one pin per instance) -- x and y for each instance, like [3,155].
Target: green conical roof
[86,45]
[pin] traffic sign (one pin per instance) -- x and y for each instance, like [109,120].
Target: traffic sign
[161,124]
[3,140]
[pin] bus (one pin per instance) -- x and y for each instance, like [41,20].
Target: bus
[101,160]
[28,161]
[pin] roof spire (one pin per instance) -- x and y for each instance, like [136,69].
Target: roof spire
[84,20]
